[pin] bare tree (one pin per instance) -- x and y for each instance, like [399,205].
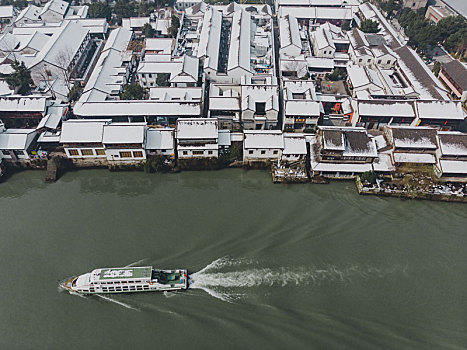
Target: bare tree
[63,60]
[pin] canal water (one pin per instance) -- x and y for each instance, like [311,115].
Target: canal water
[271,266]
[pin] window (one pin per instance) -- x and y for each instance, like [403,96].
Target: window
[209,152]
[369,60]
[163,150]
[379,61]
[87,152]
[125,154]
[263,152]
[388,62]
[18,153]
[185,153]
[73,152]
[138,154]
[150,75]
[198,153]
[260,107]
[275,152]
[5,152]
[250,151]
[100,152]
[360,60]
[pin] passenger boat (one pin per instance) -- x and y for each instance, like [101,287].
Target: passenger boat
[127,280]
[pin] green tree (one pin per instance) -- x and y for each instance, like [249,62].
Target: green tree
[346,25]
[436,68]
[100,10]
[74,93]
[148,31]
[173,30]
[133,92]
[369,26]
[162,79]
[390,6]
[20,78]
[124,9]
[369,176]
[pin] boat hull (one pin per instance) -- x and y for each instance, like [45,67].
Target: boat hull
[154,285]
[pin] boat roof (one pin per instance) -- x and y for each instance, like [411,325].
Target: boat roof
[124,273]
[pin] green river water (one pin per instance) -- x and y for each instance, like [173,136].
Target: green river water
[271,266]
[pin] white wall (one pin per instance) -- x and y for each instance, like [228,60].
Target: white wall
[114,154]
[80,154]
[261,154]
[189,153]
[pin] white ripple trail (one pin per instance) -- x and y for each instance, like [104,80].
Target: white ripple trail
[121,303]
[220,284]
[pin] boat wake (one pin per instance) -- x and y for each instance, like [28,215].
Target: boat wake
[227,285]
[118,302]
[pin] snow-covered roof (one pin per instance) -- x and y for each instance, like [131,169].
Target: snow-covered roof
[386,108]
[15,139]
[294,143]
[210,37]
[137,108]
[289,32]
[23,104]
[118,39]
[134,22]
[353,142]
[320,62]
[414,137]
[161,45]
[5,88]
[323,38]
[452,143]
[57,6]
[62,46]
[453,167]
[224,103]
[333,139]
[357,38]
[425,158]
[197,128]
[176,94]
[264,139]
[48,136]
[224,138]
[94,25]
[119,133]
[362,76]
[239,50]
[383,163]
[105,77]
[6,11]
[302,108]
[260,93]
[31,13]
[158,138]
[440,110]
[419,75]
[83,131]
